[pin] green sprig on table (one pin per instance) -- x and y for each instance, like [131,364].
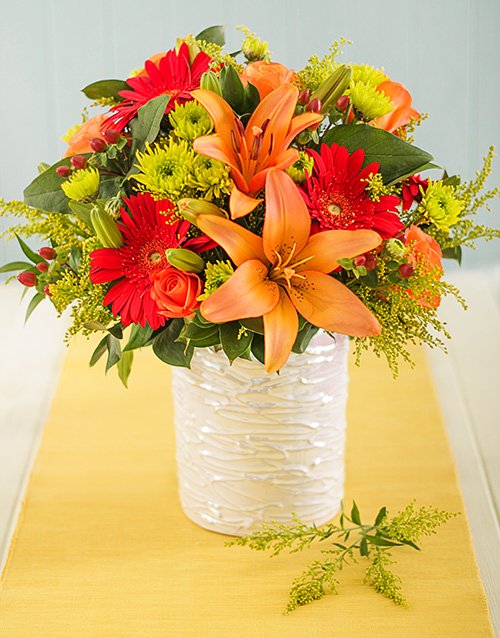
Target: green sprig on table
[349,541]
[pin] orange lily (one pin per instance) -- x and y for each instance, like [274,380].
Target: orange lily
[403,111]
[285,272]
[253,150]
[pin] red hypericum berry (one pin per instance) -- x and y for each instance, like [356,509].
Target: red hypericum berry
[360,261]
[406,270]
[63,171]
[111,136]
[27,278]
[304,97]
[98,145]
[47,253]
[371,262]
[79,161]
[46,290]
[314,106]
[343,102]
[42,266]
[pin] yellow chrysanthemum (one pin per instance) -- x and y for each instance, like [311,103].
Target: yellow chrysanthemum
[210,177]
[368,74]
[442,207]
[82,185]
[302,168]
[369,103]
[165,170]
[190,121]
[215,275]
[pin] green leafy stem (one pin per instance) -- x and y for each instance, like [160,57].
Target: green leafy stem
[349,541]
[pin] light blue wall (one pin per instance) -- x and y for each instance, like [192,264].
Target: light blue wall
[447,52]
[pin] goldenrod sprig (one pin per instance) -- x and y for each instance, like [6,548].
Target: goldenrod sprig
[350,540]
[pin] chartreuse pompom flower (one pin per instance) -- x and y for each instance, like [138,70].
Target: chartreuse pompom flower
[302,168]
[210,177]
[369,103]
[190,121]
[215,275]
[82,185]
[165,169]
[252,47]
[441,205]
[368,74]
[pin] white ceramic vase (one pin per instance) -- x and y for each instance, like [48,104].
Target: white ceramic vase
[254,447]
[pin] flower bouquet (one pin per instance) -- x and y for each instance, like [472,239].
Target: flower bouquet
[224,209]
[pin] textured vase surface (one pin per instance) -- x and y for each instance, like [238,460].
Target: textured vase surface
[254,447]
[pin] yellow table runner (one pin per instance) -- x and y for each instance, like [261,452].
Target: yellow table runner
[102,548]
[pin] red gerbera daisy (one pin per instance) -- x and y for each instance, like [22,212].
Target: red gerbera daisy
[171,74]
[147,232]
[337,198]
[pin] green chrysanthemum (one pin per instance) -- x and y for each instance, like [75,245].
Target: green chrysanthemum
[215,275]
[165,170]
[369,103]
[368,75]
[82,185]
[441,205]
[210,178]
[253,47]
[302,168]
[190,121]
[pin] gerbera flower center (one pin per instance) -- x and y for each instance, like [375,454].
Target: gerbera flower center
[335,209]
[152,256]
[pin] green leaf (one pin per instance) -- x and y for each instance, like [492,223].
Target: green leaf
[125,366]
[16,265]
[200,336]
[255,324]
[116,331]
[147,125]
[102,346]
[75,258]
[355,518]
[233,346]
[381,515]
[45,192]
[258,348]
[232,88]
[105,88]
[30,254]
[139,337]
[110,186]
[33,304]
[411,544]
[363,547]
[453,253]
[114,351]
[397,158]
[304,337]
[383,542]
[82,211]
[168,349]
[252,98]
[215,34]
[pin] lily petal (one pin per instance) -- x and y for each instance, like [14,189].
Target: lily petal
[219,110]
[239,243]
[323,250]
[278,107]
[247,293]
[300,123]
[328,304]
[282,161]
[241,204]
[281,325]
[287,222]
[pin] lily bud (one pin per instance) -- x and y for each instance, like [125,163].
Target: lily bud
[193,48]
[105,228]
[191,208]
[333,87]
[210,82]
[185,260]
[27,278]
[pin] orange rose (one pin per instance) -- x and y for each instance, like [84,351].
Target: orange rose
[403,111]
[176,292]
[266,76]
[79,142]
[427,249]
